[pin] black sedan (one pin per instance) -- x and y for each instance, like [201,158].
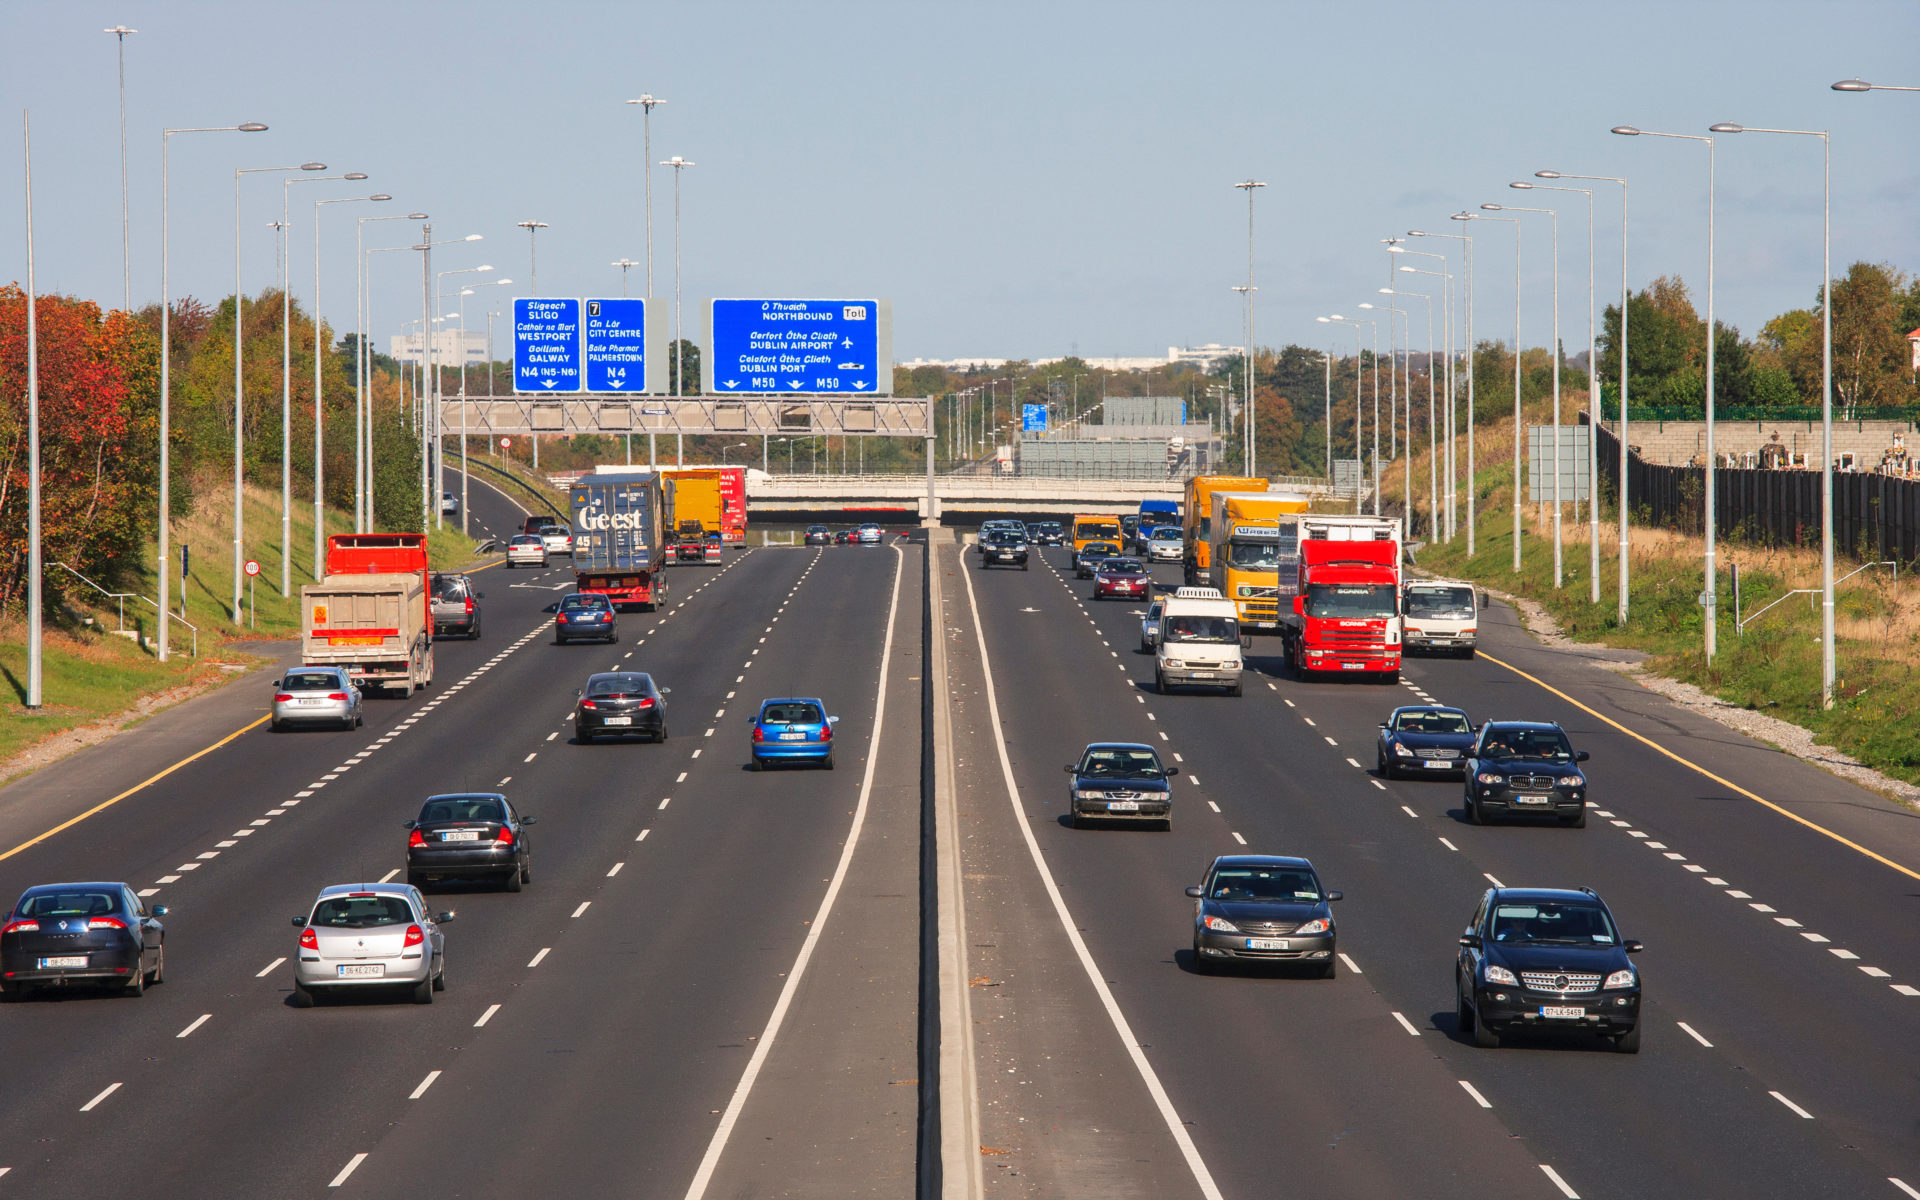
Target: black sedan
[617,702]
[585,615]
[819,535]
[1120,781]
[1090,554]
[1005,548]
[1424,739]
[81,934]
[1525,768]
[1540,958]
[1263,908]
[474,835]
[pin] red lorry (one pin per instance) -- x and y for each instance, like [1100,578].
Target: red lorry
[1345,616]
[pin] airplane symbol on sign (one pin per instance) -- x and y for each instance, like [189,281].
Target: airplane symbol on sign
[847,342]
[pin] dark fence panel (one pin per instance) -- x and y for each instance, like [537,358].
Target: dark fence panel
[1875,517]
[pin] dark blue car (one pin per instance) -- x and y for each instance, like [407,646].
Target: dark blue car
[585,616]
[793,728]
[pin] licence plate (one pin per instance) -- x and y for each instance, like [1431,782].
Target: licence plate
[50,964]
[1200,674]
[316,701]
[1123,806]
[1532,799]
[1266,943]
[361,970]
[460,835]
[793,737]
[1353,666]
[1438,764]
[618,721]
[1557,1012]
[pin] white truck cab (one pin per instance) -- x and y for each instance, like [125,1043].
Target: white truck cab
[1440,615]
[1199,643]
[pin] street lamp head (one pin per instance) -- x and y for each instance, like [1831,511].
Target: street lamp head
[501,282]
[1324,320]
[415,217]
[1521,184]
[484,267]
[1845,85]
[1546,174]
[1726,127]
[251,127]
[379,196]
[124,29]
[1416,233]
[1493,207]
[1366,304]
[313,166]
[1411,270]
[647,99]
[1463,215]
[1626,131]
[354,175]
[1336,317]
[473,237]
[1386,291]
[1396,249]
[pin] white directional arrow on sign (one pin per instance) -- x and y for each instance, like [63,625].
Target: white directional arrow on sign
[733,383]
[859,384]
[548,383]
[795,384]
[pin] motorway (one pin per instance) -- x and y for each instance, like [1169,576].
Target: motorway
[1782,974]
[709,988]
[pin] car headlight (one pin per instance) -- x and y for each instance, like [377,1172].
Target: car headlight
[1317,925]
[1079,794]
[1174,662]
[1402,751]
[1571,781]
[1494,974]
[1220,925]
[1232,664]
[1622,978]
[1490,777]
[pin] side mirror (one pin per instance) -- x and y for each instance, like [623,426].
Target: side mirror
[666,691]
[1246,641]
[299,922]
[529,820]
[444,917]
[1299,606]
[408,824]
[1332,896]
[833,720]
[1068,768]
[1172,771]
[1579,756]
[1195,892]
[1631,946]
[1471,940]
[159,910]
[576,693]
[275,685]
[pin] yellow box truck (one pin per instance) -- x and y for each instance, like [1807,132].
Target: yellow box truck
[1247,547]
[1197,518]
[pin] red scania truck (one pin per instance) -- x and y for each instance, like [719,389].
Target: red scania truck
[1346,611]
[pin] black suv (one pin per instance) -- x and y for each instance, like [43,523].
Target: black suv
[1544,958]
[1522,768]
[1047,533]
[1005,547]
[819,535]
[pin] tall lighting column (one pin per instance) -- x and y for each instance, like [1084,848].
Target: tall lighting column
[1453,422]
[1359,389]
[1555,215]
[533,229]
[1433,516]
[166,370]
[648,103]
[1826,394]
[1443,514]
[1518,460]
[319,391]
[362,369]
[1441,524]
[679,166]
[120,33]
[1708,595]
[1248,186]
[1620,500]
[464,293]
[1369,305]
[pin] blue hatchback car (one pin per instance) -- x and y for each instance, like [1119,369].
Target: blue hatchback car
[793,728]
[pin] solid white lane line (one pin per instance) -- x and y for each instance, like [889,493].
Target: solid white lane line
[1802,1113]
[1238,838]
[615,869]
[581,909]
[1449,845]
[1560,1183]
[1903,1188]
[202,1019]
[347,1170]
[424,1085]
[1129,1041]
[267,970]
[1490,879]
[487,1015]
[1409,812]
[1406,1025]
[1351,965]
[388,877]
[704,1175]
[1694,1034]
[110,1090]
[1477,1097]
[544,951]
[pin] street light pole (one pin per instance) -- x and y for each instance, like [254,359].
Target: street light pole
[1518,461]
[1248,187]
[1359,386]
[1827,671]
[1433,515]
[120,33]
[1453,422]
[363,370]
[35,569]
[1555,217]
[1442,516]
[1708,596]
[319,395]
[533,229]
[679,166]
[648,102]
[1593,404]
[166,372]
[1368,304]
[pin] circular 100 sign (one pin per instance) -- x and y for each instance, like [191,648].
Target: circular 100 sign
[506,443]
[253,568]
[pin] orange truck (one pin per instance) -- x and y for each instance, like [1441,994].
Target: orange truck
[729,514]
[1197,527]
[372,611]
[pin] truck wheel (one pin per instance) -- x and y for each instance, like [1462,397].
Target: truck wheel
[406,689]
[1160,681]
[1467,653]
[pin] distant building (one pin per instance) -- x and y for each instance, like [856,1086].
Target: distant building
[1913,339]
[1204,358]
[450,347]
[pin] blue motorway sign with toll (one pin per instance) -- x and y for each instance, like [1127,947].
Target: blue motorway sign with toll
[616,345]
[786,347]
[546,345]
[1033,418]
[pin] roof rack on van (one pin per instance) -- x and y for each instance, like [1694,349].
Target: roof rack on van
[1198,593]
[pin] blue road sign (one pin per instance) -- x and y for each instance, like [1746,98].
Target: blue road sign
[1033,418]
[799,346]
[616,345]
[546,345]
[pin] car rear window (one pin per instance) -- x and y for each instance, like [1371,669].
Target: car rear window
[310,681]
[68,904]
[1259,883]
[527,539]
[572,602]
[791,714]
[482,808]
[618,685]
[448,588]
[361,912]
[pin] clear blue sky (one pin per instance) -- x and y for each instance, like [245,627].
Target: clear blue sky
[1021,179]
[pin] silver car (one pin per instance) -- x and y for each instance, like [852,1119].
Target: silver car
[526,550]
[1150,627]
[315,696]
[1166,545]
[369,935]
[558,538]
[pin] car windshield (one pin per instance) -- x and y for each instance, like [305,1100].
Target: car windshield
[1099,550]
[1005,537]
[1109,530]
[1440,602]
[68,904]
[618,685]
[310,681]
[1203,629]
[1122,764]
[1433,722]
[1048,527]
[791,713]
[463,808]
[1538,745]
[1264,883]
[1254,556]
[1166,534]
[598,603]
[1561,924]
[1121,566]
[1352,601]
[361,912]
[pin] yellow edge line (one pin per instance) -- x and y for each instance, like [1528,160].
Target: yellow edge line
[1761,800]
[147,782]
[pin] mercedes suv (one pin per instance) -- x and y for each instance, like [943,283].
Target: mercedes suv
[1544,958]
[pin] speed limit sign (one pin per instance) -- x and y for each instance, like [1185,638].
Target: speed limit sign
[506,443]
[253,568]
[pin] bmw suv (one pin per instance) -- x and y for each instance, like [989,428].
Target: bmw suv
[1544,958]
[1522,768]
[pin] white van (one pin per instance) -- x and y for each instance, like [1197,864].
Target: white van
[1199,643]
[1439,614]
